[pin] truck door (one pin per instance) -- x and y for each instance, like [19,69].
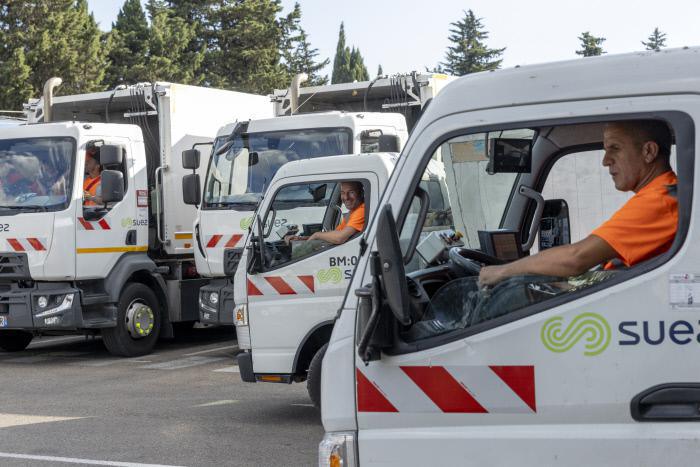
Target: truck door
[302,282]
[105,233]
[574,370]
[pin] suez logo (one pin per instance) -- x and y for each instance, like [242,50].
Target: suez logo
[335,273]
[245,223]
[596,333]
[4,227]
[129,222]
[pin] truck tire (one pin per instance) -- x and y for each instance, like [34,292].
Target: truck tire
[138,323]
[313,378]
[14,340]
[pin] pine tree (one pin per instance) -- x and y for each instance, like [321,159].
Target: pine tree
[341,62]
[380,72]
[358,69]
[469,54]
[128,46]
[590,45]
[656,41]
[15,88]
[303,60]
[169,38]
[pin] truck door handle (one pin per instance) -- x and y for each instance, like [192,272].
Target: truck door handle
[131,237]
[671,402]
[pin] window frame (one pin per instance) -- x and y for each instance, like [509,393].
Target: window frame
[683,129]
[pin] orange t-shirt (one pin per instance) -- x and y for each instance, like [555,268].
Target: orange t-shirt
[90,185]
[646,225]
[356,219]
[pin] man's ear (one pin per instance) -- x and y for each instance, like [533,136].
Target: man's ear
[650,151]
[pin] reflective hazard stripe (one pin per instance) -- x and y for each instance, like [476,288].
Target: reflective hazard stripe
[280,285]
[230,241]
[446,389]
[102,224]
[27,244]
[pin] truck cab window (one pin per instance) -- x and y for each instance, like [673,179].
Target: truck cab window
[474,270]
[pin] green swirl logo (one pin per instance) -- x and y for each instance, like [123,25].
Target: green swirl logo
[333,275]
[245,223]
[589,326]
[127,222]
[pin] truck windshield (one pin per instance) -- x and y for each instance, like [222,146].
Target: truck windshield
[238,178]
[35,174]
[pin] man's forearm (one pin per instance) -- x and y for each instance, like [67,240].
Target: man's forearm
[562,262]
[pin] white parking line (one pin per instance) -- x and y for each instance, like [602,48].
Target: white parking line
[73,460]
[232,347]
[51,341]
[182,363]
[215,403]
[32,359]
[228,369]
[10,419]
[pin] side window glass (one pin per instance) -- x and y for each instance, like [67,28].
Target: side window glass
[308,218]
[93,205]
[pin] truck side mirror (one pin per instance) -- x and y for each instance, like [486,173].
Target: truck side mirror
[319,192]
[391,262]
[111,155]
[112,186]
[389,143]
[190,159]
[191,189]
[554,224]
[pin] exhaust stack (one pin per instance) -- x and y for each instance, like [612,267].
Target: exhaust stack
[294,91]
[49,86]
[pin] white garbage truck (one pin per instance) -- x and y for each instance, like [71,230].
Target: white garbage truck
[309,122]
[107,252]
[425,368]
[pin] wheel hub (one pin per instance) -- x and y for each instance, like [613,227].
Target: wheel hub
[140,320]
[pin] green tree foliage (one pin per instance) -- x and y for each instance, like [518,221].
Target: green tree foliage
[169,39]
[128,46]
[380,72]
[590,45]
[348,65]
[298,54]
[469,53]
[14,76]
[656,41]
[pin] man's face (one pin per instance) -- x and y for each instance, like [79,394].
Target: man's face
[91,164]
[624,158]
[350,195]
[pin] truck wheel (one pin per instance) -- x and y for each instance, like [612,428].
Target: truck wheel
[313,379]
[14,340]
[138,323]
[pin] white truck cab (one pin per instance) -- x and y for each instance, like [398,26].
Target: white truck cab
[594,370]
[241,169]
[120,265]
[288,293]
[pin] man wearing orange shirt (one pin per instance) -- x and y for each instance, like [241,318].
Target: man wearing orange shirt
[93,179]
[637,155]
[352,196]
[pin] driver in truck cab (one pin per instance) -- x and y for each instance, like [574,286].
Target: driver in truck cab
[353,197]
[93,178]
[637,154]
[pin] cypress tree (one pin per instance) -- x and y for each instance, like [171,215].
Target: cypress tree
[128,46]
[380,72]
[656,41]
[358,70]
[469,53]
[590,45]
[341,62]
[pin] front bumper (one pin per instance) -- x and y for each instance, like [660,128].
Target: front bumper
[50,307]
[220,313]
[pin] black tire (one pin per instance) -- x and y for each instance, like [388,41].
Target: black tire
[14,340]
[118,340]
[313,378]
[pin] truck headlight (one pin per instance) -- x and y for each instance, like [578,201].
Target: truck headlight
[337,449]
[42,301]
[205,302]
[214,298]
[240,315]
[63,303]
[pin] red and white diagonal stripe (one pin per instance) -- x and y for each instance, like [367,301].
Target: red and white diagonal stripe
[223,240]
[281,285]
[446,389]
[27,244]
[102,224]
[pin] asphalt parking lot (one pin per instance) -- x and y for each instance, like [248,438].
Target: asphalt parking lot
[66,401]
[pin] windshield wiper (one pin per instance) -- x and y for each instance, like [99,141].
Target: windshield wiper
[28,207]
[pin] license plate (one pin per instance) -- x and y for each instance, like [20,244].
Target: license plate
[3,321]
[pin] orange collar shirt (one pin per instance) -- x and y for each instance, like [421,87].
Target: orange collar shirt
[91,185]
[646,225]
[355,219]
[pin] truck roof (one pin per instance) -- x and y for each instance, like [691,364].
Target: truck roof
[375,162]
[325,120]
[640,73]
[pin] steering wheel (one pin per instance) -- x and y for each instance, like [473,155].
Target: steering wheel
[471,261]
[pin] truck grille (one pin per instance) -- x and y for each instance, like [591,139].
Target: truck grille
[14,266]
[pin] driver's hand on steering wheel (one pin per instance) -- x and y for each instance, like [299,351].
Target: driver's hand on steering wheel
[492,275]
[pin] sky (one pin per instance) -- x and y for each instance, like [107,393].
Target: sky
[407,35]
